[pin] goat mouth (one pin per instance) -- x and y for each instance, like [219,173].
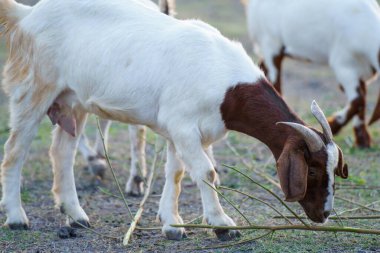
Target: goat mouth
[317,218]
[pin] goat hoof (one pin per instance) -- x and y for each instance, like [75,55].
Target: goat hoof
[175,235]
[227,235]
[80,224]
[18,226]
[66,232]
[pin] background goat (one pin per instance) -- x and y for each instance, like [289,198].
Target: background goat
[345,34]
[183,79]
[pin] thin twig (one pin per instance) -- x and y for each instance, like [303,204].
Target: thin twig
[94,231]
[358,208]
[255,170]
[257,199]
[232,244]
[358,204]
[370,217]
[269,191]
[140,211]
[285,227]
[112,170]
[229,201]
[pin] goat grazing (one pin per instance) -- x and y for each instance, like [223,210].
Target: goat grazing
[345,34]
[182,78]
[95,157]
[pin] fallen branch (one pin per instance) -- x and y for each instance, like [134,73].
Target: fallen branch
[112,170]
[232,244]
[269,191]
[257,199]
[255,170]
[140,211]
[370,217]
[285,227]
[228,201]
[358,208]
[357,204]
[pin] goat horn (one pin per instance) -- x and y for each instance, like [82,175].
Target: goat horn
[320,116]
[312,139]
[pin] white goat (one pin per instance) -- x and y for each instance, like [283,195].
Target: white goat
[345,34]
[183,79]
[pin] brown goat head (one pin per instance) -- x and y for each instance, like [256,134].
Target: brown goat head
[307,167]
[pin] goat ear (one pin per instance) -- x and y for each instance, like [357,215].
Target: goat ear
[292,171]
[342,170]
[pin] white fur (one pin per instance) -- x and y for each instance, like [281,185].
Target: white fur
[332,163]
[125,62]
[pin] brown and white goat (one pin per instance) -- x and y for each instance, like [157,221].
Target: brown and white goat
[183,79]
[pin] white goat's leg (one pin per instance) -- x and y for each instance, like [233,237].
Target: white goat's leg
[138,170]
[62,153]
[168,210]
[26,113]
[167,7]
[105,127]
[355,91]
[273,55]
[202,170]
[97,164]
[210,153]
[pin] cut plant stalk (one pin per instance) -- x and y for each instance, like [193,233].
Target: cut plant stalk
[286,227]
[229,201]
[269,191]
[112,170]
[254,169]
[257,199]
[140,211]
[370,217]
[357,204]
[232,244]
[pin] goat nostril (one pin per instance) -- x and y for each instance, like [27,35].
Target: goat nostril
[326,214]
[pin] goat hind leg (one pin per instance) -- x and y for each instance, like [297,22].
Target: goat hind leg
[138,170]
[24,123]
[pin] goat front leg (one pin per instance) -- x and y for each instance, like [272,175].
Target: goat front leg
[168,210]
[62,153]
[138,170]
[201,170]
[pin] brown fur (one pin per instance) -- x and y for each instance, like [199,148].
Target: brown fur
[254,109]
[178,177]
[357,106]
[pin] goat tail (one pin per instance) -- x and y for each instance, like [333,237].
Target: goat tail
[12,12]
[168,7]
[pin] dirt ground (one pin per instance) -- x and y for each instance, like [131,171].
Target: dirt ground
[302,83]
